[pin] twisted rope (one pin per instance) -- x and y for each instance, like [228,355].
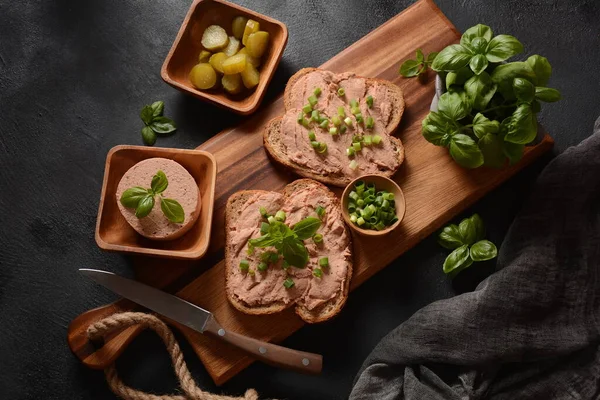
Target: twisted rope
[191,391]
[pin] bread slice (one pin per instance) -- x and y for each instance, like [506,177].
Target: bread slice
[272,135]
[324,311]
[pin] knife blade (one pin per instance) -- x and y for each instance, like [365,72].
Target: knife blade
[203,321]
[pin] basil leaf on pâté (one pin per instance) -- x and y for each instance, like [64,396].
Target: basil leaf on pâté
[148,136]
[145,206]
[132,196]
[306,228]
[159,182]
[157,108]
[172,210]
[163,125]
[147,114]
[483,250]
[294,252]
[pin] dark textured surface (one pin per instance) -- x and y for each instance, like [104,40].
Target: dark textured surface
[73,77]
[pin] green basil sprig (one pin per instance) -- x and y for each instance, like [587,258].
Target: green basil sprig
[143,200]
[488,113]
[468,245]
[155,122]
[410,68]
[289,242]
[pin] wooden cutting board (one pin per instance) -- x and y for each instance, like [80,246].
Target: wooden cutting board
[436,190]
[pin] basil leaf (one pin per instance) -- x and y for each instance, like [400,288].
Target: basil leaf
[492,150]
[172,210]
[434,129]
[477,31]
[279,231]
[458,77]
[294,252]
[522,126]
[157,108]
[458,260]
[263,241]
[450,237]
[467,231]
[465,152]
[132,196]
[453,106]
[148,136]
[541,68]
[524,90]
[452,58]
[478,64]
[163,125]
[480,89]
[159,182]
[513,151]
[548,95]
[503,47]
[145,206]
[504,75]
[479,226]
[306,228]
[483,250]
[482,126]
[147,114]
[409,68]
[420,56]
[431,57]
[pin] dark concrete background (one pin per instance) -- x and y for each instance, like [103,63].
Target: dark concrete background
[73,77]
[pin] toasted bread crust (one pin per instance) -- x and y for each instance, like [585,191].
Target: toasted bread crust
[272,134]
[323,312]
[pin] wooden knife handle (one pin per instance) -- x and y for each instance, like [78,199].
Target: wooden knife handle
[270,353]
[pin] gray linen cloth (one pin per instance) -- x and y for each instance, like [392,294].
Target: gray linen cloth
[529,331]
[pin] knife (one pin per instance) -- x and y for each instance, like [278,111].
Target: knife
[204,321]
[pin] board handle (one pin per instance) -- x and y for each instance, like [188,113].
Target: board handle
[273,354]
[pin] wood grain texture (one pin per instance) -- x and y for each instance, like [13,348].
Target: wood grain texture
[436,189]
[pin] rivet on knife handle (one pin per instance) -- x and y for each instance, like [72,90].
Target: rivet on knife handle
[267,352]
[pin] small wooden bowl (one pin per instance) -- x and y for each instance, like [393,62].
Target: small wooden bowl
[381,183]
[113,233]
[184,53]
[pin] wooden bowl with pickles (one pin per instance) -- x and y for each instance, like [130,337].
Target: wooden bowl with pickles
[225,54]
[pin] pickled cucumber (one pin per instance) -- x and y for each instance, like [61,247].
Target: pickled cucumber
[238,25]
[251,27]
[204,56]
[233,46]
[203,76]
[250,76]
[232,83]
[252,60]
[215,38]
[216,60]
[257,43]
[235,64]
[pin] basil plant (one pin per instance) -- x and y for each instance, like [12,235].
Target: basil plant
[488,113]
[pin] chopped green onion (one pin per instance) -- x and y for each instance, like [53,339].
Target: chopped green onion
[360,221]
[318,238]
[376,139]
[285,264]
[266,256]
[353,218]
[357,139]
[313,100]
[271,219]
[288,283]
[324,124]
[360,186]
[353,164]
[355,110]
[351,208]
[251,272]
[307,109]
[348,121]
[250,250]
[367,140]
[350,151]
[311,136]
[354,103]
[264,228]
[394,220]
[324,262]
[385,204]
[262,266]
[343,129]
[373,219]
[263,211]
[356,146]
[305,123]
[360,202]
[280,216]
[244,265]
[336,120]
[315,144]
[318,272]
[388,196]
[300,117]
[370,122]
[359,118]
[322,147]
[341,111]
[317,92]
[333,131]
[370,101]
[315,116]
[341,92]
[320,210]
[353,195]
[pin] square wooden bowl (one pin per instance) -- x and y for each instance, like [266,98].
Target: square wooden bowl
[113,233]
[184,52]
